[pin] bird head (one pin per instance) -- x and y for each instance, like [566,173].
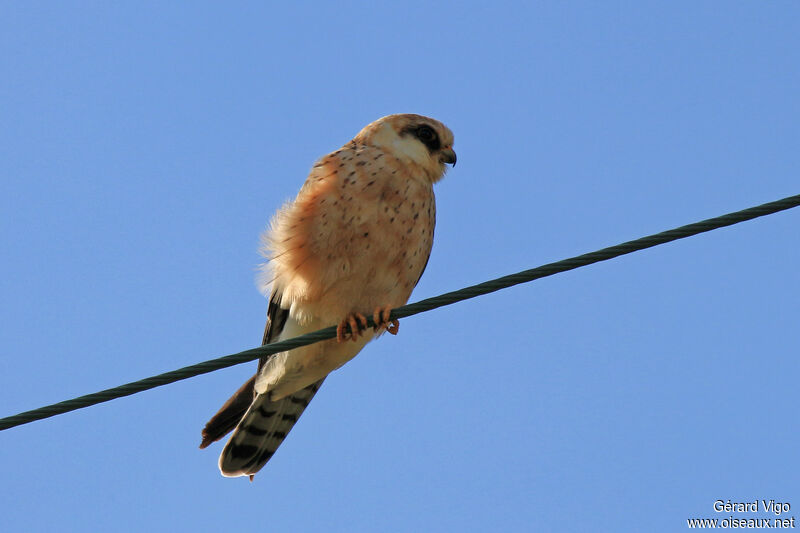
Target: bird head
[416,138]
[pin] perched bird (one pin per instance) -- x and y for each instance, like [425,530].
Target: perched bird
[354,242]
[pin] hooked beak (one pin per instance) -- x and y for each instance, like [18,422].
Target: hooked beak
[447,155]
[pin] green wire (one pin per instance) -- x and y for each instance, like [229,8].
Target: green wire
[404,311]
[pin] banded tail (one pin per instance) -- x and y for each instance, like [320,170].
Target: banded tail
[260,425]
[262,429]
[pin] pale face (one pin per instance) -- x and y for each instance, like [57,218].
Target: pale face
[423,140]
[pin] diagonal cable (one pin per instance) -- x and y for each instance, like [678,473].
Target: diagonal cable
[404,311]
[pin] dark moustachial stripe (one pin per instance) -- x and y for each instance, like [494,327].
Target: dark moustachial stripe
[425,134]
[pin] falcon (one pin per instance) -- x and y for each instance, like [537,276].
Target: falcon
[353,243]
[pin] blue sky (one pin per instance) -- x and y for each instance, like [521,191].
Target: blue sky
[145,146]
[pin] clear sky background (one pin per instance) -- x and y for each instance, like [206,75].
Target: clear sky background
[145,145]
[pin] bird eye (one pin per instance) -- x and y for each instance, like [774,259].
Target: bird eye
[425,134]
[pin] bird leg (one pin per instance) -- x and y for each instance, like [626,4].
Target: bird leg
[357,323]
[381,318]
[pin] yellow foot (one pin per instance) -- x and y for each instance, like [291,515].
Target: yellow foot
[381,318]
[357,323]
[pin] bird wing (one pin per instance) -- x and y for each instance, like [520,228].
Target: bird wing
[233,411]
